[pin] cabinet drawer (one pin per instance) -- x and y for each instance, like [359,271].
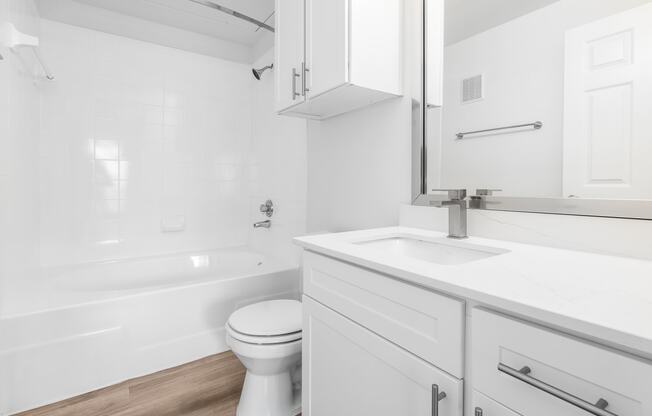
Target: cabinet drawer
[562,369]
[350,371]
[425,323]
[484,406]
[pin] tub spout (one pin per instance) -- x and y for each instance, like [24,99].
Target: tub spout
[263,224]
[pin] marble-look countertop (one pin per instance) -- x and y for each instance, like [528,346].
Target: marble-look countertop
[603,298]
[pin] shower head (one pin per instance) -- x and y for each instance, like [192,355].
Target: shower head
[259,72]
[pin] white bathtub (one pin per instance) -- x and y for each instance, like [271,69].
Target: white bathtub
[72,330]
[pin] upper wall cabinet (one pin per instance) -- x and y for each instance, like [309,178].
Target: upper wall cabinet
[334,56]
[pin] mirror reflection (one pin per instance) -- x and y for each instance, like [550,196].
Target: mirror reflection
[544,98]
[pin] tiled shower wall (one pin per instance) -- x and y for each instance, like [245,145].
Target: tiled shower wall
[19,130]
[278,170]
[144,149]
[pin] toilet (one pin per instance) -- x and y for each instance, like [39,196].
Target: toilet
[266,337]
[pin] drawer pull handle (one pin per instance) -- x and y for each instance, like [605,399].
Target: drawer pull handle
[436,398]
[598,409]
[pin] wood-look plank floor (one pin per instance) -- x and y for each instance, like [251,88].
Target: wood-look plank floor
[207,387]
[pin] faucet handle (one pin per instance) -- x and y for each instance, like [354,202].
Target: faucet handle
[267,208]
[453,194]
[486,192]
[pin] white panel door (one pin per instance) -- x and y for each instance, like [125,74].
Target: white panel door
[350,371]
[608,102]
[290,36]
[327,48]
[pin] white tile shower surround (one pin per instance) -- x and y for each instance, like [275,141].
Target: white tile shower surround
[19,101]
[133,134]
[136,137]
[278,171]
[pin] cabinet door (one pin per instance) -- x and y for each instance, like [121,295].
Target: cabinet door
[290,36]
[350,371]
[327,48]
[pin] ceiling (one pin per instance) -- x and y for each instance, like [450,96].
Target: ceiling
[465,18]
[186,15]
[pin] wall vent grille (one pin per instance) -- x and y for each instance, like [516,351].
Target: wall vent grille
[472,89]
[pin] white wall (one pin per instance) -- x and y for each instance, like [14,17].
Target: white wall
[359,167]
[133,135]
[277,171]
[19,130]
[359,163]
[522,62]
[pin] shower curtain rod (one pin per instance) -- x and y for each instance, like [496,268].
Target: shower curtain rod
[234,13]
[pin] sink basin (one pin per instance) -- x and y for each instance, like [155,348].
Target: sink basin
[442,251]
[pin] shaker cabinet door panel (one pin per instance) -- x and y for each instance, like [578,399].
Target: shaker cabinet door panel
[327,44]
[350,371]
[289,49]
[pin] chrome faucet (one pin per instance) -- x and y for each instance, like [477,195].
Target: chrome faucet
[263,224]
[457,208]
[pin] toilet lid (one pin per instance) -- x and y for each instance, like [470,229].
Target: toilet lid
[268,319]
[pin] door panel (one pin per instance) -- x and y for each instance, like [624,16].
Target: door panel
[290,35]
[350,371]
[608,99]
[328,37]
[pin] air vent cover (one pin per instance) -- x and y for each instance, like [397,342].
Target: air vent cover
[472,89]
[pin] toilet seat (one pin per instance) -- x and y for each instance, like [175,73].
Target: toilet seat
[267,320]
[263,340]
[266,323]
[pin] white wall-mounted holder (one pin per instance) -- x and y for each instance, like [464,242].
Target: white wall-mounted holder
[13,39]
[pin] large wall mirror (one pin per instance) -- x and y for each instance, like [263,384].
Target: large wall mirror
[547,104]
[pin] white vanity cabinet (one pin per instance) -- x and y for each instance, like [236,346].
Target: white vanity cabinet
[334,56]
[354,372]
[377,344]
[373,345]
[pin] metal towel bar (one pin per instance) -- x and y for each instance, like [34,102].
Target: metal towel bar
[536,125]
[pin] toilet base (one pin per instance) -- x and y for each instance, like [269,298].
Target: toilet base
[267,395]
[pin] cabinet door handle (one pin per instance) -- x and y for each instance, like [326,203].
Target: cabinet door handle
[304,79]
[437,396]
[295,75]
[598,409]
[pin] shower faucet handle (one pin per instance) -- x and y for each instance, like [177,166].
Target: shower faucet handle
[267,208]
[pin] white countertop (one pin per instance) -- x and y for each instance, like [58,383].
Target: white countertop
[604,298]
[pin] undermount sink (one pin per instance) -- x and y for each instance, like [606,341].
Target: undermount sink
[443,251]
